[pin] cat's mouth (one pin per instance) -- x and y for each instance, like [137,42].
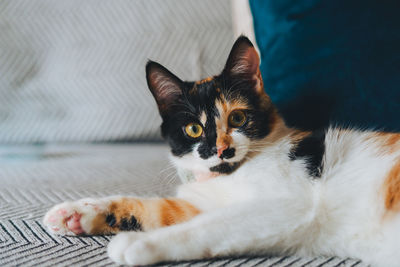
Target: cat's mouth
[225,167]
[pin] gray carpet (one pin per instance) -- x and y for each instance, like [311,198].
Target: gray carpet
[34,178]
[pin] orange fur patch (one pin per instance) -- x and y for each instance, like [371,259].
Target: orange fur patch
[208,79]
[279,130]
[274,119]
[223,139]
[126,207]
[298,135]
[99,226]
[174,211]
[390,142]
[123,208]
[150,213]
[224,109]
[392,185]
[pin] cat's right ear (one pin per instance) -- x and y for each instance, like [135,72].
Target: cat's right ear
[244,63]
[165,86]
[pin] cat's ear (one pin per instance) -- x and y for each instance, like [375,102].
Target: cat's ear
[165,86]
[244,63]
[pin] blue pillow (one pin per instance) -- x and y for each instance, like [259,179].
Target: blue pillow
[331,61]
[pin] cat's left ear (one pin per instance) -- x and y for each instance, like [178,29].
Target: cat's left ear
[244,63]
[165,86]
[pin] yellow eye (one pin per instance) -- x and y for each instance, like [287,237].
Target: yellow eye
[194,130]
[237,118]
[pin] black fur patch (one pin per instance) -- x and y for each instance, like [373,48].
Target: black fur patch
[228,153]
[225,168]
[312,149]
[111,220]
[129,225]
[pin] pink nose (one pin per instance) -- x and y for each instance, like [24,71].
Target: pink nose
[221,149]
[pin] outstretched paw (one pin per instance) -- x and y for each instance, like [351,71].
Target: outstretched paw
[74,218]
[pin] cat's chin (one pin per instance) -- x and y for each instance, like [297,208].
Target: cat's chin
[221,169]
[192,168]
[204,176]
[225,167]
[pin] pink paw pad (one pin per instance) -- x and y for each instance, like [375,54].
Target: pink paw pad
[62,212]
[73,223]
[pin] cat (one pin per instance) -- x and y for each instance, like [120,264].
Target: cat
[261,186]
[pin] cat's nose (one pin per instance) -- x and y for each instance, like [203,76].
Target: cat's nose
[221,149]
[225,152]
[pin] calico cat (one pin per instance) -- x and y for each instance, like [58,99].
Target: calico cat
[261,187]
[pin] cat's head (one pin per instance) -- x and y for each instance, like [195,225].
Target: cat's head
[210,124]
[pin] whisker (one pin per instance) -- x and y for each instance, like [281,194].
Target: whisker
[171,166]
[170,178]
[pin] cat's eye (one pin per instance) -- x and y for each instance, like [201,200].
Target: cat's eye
[194,130]
[237,118]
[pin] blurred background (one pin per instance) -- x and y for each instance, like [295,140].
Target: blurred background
[73,71]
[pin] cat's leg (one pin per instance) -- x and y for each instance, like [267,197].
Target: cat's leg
[237,229]
[114,214]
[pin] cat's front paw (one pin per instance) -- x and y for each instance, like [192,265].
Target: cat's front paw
[133,248]
[74,218]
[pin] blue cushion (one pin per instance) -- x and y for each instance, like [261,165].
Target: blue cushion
[331,61]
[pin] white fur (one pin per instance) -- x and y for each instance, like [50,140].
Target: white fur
[271,205]
[192,161]
[241,144]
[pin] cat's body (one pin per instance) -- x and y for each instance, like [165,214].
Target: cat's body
[263,187]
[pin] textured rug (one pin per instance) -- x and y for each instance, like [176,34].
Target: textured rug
[34,178]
